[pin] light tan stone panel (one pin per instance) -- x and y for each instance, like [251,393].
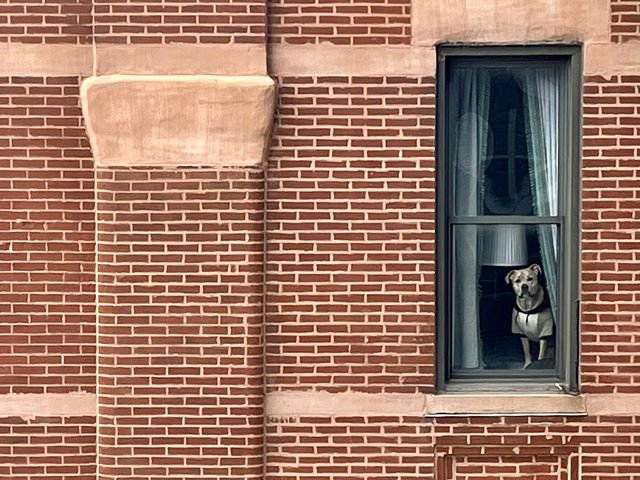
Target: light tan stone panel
[611,59]
[181,59]
[222,121]
[323,60]
[37,60]
[436,21]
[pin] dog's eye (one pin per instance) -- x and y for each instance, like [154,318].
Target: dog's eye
[518,281]
[529,279]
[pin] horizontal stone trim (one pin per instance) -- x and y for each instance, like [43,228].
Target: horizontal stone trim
[333,404]
[613,404]
[608,59]
[46,60]
[328,404]
[287,404]
[30,405]
[555,404]
[180,59]
[295,60]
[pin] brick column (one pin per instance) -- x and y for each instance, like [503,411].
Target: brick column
[180,323]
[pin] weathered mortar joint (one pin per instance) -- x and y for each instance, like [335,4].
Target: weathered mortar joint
[178,120]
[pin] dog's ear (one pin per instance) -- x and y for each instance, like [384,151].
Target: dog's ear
[507,277]
[536,268]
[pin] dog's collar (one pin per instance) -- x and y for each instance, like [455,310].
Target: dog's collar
[540,308]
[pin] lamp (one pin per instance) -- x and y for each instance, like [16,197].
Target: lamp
[504,245]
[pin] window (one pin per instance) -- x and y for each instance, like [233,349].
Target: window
[508,217]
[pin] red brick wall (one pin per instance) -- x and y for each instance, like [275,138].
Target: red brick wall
[366,22]
[124,21]
[48,448]
[47,269]
[47,333]
[201,21]
[395,447]
[343,297]
[180,322]
[610,247]
[53,21]
[351,235]
[355,447]
[625,21]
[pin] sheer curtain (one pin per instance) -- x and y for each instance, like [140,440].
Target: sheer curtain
[471,89]
[541,87]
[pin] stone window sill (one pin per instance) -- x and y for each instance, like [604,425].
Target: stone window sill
[505,404]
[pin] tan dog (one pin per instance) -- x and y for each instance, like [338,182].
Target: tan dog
[531,319]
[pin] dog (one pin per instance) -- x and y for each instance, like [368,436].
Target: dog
[531,319]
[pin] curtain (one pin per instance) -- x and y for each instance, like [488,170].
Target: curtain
[470,102]
[541,102]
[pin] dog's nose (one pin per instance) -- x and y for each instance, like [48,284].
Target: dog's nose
[525,287]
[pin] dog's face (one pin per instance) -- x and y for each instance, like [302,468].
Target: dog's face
[525,281]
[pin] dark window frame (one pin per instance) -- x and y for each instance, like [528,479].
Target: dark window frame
[567,368]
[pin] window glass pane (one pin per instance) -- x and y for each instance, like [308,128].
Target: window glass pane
[504,145]
[504,292]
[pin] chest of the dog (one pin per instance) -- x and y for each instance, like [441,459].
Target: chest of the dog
[533,325]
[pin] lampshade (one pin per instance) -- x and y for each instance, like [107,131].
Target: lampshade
[504,245]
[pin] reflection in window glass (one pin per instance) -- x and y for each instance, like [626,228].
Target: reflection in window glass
[505,144]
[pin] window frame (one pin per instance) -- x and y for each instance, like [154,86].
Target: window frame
[566,378]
